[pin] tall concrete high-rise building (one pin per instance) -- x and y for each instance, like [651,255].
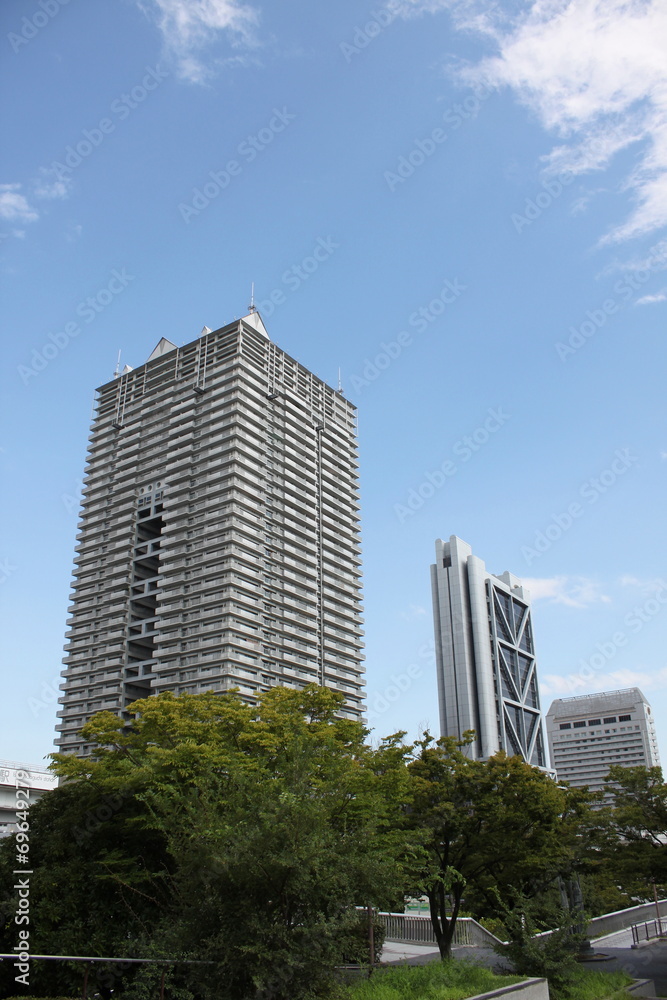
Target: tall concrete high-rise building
[590,732]
[485,656]
[219,536]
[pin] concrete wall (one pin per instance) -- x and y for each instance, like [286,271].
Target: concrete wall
[617,921]
[531,989]
[642,988]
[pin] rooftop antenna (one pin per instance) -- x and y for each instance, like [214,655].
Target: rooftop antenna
[340,384]
[251,307]
[117,368]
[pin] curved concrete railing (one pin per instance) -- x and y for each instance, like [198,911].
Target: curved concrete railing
[409,928]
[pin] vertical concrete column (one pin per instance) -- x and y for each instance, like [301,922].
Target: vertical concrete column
[479,620]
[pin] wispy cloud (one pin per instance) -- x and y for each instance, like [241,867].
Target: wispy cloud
[649,300]
[647,680]
[594,72]
[14,206]
[645,586]
[414,611]
[190,26]
[49,186]
[573,591]
[18,207]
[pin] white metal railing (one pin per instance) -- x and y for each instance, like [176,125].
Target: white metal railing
[646,931]
[414,929]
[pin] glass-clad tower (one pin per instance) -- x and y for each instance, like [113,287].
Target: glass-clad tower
[485,656]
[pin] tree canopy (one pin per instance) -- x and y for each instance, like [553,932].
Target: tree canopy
[242,837]
[498,830]
[238,835]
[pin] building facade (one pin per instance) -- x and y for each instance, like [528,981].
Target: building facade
[21,784]
[219,535]
[485,656]
[590,732]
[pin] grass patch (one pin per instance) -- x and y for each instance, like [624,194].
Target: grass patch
[452,980]
[589,984]
[462,979]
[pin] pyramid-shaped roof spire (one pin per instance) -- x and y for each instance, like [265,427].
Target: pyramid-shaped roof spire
[164,346]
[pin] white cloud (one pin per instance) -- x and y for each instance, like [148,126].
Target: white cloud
[646,586]
[594,72]
[414,611]
[559,686]
[573,591]
[189,26]
[49,186]
[14,206]
[649,300]
[17,208]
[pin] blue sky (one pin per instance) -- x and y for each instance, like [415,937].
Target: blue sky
[487,184]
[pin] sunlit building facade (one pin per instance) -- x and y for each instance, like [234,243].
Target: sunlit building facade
[485,656]
[590,732]
[219,535]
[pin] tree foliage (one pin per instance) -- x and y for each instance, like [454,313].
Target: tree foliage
[498,831]
[632,840]
[243,836]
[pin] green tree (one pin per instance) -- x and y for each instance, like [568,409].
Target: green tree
[266,825]
[497,831]
[634,850]
[99,882]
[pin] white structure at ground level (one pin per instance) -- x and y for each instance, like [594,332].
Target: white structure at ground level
[485,656]
[21,784]
[590,732]
[219,536]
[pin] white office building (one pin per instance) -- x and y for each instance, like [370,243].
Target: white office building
[219,535]
[485,656]
[21,785]
[590,732]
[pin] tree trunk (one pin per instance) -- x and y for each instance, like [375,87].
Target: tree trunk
[444,927]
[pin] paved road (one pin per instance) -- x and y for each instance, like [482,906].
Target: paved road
[649,962]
